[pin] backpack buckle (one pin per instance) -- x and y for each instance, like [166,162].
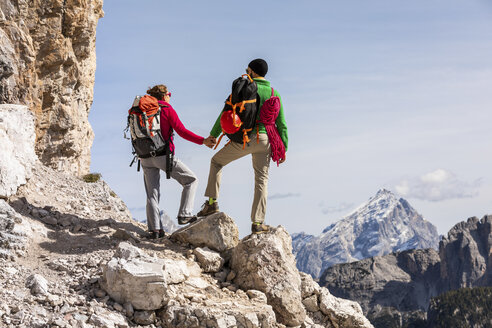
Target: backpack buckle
[152,153]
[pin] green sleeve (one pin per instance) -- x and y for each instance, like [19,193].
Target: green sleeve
[282,125]
[217,129]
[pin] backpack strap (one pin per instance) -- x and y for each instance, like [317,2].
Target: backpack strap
[171,133]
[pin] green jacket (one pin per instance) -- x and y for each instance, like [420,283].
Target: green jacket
[265,92]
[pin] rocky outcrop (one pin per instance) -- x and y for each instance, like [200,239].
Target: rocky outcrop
[384,224]
[466,254]
[217,231]
[141,280]
[266,263]
[17,139]
[175,286]
[395,283]
[48,62]
[341,312]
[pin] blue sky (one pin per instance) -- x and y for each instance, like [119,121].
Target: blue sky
[376,94]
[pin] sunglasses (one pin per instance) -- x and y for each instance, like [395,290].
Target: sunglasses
[168,94]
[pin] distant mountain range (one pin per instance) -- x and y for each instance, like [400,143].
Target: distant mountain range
[401,289]
[382,225]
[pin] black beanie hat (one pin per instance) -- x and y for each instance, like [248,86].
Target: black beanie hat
[259,66]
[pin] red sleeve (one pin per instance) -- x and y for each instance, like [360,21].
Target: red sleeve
[180,128]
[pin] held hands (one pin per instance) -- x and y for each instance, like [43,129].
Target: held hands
[210,141]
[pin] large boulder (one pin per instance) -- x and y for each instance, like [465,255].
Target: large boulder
[138,282]
[342,312]
[142,280]
[219,313]
[17,139]
[217,231]
[265,262]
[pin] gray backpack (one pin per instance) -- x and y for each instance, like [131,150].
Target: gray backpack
[145,131]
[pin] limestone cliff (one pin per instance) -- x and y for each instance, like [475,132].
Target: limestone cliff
[466,254]
[48,62]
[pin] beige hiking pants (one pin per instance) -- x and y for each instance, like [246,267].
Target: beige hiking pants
[260,153]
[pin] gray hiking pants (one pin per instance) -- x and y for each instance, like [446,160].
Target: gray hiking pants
[260,155]
[181,173]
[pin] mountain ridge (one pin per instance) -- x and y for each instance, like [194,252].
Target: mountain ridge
[381,225]
[396,289]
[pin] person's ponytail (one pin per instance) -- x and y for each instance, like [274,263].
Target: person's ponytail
[157,91]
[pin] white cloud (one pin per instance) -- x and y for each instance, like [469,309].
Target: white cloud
[342,207]
[437,186]
[437,176]
[286,195]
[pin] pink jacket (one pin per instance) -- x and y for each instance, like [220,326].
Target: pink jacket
[170,120]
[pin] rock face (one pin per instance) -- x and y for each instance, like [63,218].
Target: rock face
[17,139]
[266,263]
[466,254]
[217,231]
[264,266]
[47,62]
[396,289]
[398,282]
[383,225]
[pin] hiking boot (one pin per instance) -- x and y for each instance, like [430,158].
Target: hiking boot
[208,209]
[257,228]
[186,219]
[153,235]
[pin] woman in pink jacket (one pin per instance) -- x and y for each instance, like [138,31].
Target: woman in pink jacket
[169,121]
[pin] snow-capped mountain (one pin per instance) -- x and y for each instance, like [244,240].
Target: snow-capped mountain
[382,225]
